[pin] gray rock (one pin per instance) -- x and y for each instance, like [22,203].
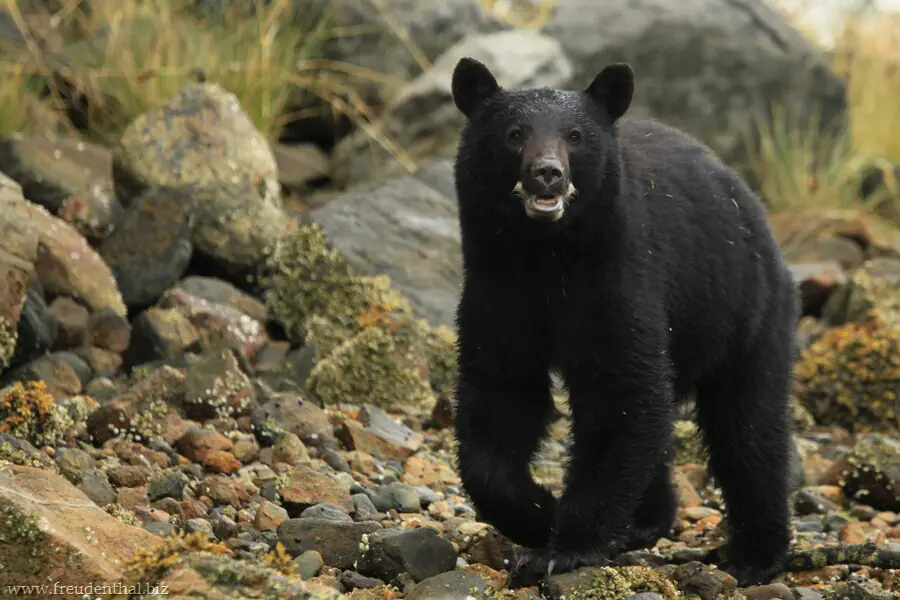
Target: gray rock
[421,553]
[73,463]
[337,542]
[804,593]
[645,596]
[67,176]
[328,512]
[97,487]
[200,525]
[37,329]
[217,291]
[426,495]
[398,496]
[291,412]
[422,119]
[407,228]
[452,585]
[701,65]
[309,564]
[200,136]
[161,529]
[363,507]
[166,485]
[150,247]
[427,26]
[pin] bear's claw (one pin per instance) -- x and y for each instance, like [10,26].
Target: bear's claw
[533,566]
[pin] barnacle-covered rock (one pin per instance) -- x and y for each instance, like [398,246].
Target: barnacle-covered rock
[849,375]
[871,472]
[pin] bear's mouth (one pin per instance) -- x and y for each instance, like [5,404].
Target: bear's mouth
[547,203]
[541,206]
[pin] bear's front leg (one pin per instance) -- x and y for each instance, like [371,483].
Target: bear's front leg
[499,426]
[621,423]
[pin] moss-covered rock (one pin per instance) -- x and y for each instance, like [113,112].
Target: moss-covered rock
[441,354]
[849,375]
[375,366]
[29,412]
[309,278]
[871,472]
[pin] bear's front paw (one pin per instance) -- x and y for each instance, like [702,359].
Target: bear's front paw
[534,565]
[749,575]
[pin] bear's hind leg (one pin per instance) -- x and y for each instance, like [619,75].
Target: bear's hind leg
[744,414]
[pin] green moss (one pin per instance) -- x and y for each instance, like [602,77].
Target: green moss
[326,335]
[29,412]
[848,376]
[441,354]
[372,367]
[311,279]
[9,337]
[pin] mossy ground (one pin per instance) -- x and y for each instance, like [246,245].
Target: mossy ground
[849,375]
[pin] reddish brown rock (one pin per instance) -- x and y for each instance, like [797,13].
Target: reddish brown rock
[67,265]
[110,331]
[72,320]
[54,533]
[308,487]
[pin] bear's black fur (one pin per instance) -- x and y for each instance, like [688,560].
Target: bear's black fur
[624,255]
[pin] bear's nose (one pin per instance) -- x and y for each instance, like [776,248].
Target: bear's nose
[548,171]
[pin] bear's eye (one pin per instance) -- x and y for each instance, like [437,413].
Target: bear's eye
[574,136]
[515,134]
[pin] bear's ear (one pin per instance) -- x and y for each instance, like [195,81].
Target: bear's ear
[472,84]
[613,89]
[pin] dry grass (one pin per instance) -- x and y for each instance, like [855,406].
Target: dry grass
[126,57]
[134,55]
[867,55]
[18,98]
[800,166]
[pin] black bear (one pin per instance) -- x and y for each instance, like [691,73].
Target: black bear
[624,256]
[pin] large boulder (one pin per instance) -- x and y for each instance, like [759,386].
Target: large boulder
[18,250]
[701,65]
[421,121]
[405,227]
[201,141]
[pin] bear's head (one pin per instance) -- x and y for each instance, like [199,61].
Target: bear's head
[535,152]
